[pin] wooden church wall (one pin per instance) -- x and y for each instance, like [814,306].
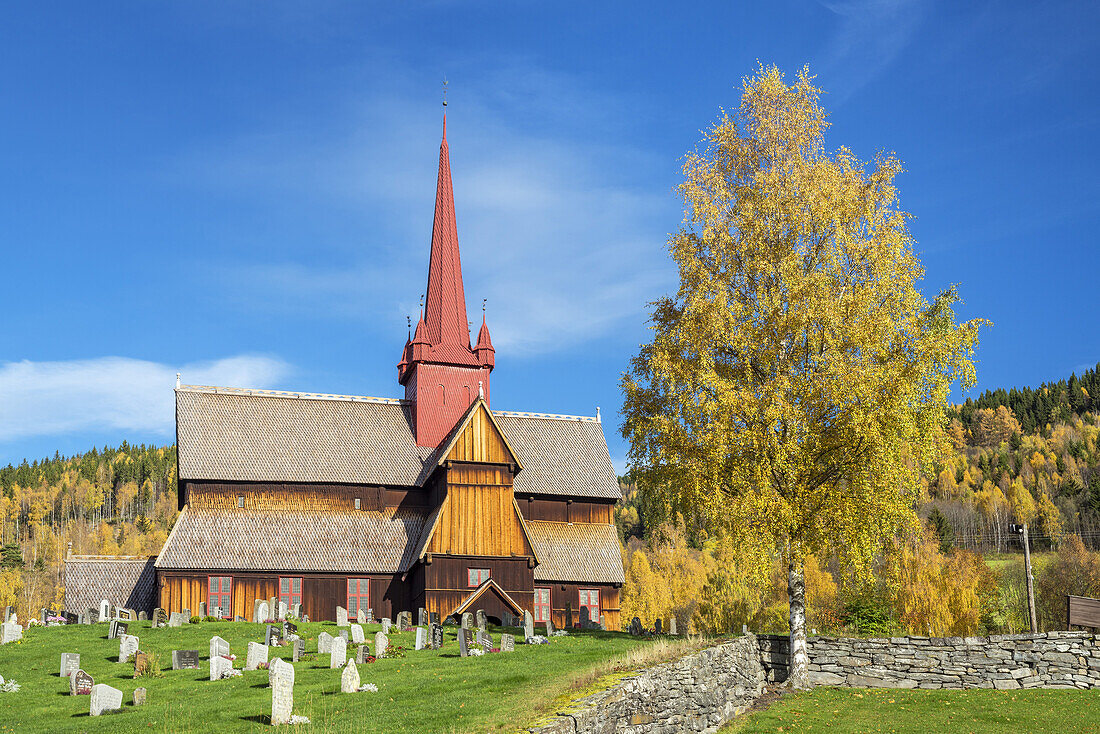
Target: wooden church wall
[480,442]
[479,518]
[446,581]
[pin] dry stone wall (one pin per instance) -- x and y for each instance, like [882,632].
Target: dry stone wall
[699,692]
[1044,660]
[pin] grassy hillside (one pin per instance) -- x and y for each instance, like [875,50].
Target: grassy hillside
[426,691]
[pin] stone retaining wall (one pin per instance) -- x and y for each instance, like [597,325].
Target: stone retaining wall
[1044,660]
[699,692]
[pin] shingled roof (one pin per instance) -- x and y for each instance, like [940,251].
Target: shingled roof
[227,434]
[356,541]
[587,552]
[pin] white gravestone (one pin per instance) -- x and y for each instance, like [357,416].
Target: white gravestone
[10,632]
[349,679]
[339,654]
[104,610]
[257,654]
[127,646]
[421,638]
[220,667]
[381,643]
[528,625]
[70,661]
[104,699]
[277,667]
[341,617]
[324,643]
[357,634]
[218,646]
[263,613]
[386,625]
[361,617]
[282,611]
[282,699]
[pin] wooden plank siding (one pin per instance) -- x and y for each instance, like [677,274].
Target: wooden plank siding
[561,594]
[481,442]
[296,496]
[479,517]
[446,582]
[564,510]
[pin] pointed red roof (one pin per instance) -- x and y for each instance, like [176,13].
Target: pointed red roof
[446,328]
[484,349]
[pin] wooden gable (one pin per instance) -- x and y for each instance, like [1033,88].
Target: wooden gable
[479,439]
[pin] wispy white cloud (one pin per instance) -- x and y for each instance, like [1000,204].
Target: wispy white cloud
[554,231]
[52,398]
[869,37]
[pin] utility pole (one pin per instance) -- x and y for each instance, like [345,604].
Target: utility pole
[1022,530]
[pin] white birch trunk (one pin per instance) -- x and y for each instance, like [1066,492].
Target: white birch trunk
[799,677]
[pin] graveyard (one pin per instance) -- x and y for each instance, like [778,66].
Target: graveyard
[417,690]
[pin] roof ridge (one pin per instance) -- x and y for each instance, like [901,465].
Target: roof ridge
[548,416]
[287,394]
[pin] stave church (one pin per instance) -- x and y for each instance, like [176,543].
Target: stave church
[433,500]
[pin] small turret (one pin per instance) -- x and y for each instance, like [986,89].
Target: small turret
[486,355]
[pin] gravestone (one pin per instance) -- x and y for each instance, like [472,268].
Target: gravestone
[657,626]
[202,609]
[672,626]
[104,610]
[361,653]
[282,699]
[467,620]
[7,613]
[282,611]
[299,650]
[360,616]
[185,660]
[296,611]
[256,618]
[127,646]
[279,667]
[80,683]
[381,644]
[43,615]
[357,634]
[324,643]
[91,616]
[341,617]
[116,628]
[217,612]
[70,661]
[177,619]
[465,639]
[485,640]
[370,616]
[549,628]
[433,617]
[125,614]
[339,654]
[435,635]
[143,616]
[349,679]
[583,618]
[263,613]
[139,696]
[386,625]
[272,607]
[289,628]
[421,638]
[104,699]
[422,617]
[568,615]
[160,617]
[528,625]
[220,667]
[218,646]
[507,643]
[71,618]
[141,663]
[257,654]
[344,636]
[482,621]
[271,635]
[636,627]
[186,616]
[603,622]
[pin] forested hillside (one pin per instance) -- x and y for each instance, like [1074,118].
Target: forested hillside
[114,501]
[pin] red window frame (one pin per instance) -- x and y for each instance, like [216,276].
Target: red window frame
[358,596]
[290,590]
[542,604]
[477,576]
[586,597]
[220,594]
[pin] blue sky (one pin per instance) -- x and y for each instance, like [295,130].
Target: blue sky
[243,191]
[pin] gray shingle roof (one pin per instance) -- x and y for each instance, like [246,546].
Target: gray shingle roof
[227,434]
[583,552]
[269,540]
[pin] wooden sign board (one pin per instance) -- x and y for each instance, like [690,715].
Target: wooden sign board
[1083,611]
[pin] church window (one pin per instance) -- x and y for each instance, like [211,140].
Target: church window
[290,591]
[542,605]
[590,600]
[240,500]
[477,576]
[220,594]
[358,596]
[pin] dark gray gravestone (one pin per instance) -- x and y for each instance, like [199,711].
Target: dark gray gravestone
[465,639]
[71,618]
[435,636]
[362,653]
[271,636]
[185,660]
[289,628]
[120,628]
[657,626]
[299,650]
[91,616]
[583,618]
[80,684]
[507,643]
[568,615]
[433,617]
[636,627]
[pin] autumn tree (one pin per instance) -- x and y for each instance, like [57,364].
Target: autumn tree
[796,381]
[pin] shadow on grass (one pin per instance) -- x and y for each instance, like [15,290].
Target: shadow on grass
[258,718]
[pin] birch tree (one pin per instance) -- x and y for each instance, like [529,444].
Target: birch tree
[798,379]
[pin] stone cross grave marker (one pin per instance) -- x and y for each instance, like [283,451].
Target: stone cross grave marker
[257,654]
[282,699]
[324,643]
[435,633]
[528,625]
[507,643]
[381,644]
[202,610]
[386,625]
[467,620]
[185,660]
[220,667]
[422,617]
[482,621]
[70,661]
[299,650]
[349,679]
[421,638]
[160,617]
[139,696]
[341,617]
[80,683]
[218,646]
[271,634]
[127,646]
[357,634]
[339,654]
[104,699]
[465,639]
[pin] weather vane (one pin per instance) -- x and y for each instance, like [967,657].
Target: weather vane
[444,91]
[483,300]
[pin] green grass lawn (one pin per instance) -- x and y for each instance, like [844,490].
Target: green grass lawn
[883,710]
[427,691]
